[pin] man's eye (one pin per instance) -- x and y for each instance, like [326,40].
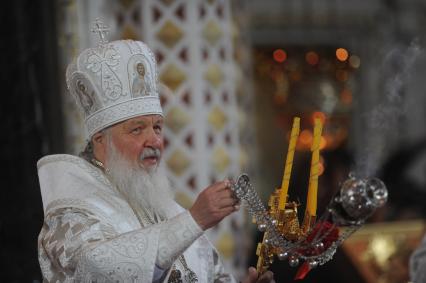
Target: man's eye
[136,131]
[158,128]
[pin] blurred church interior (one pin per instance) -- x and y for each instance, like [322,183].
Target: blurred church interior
[235,73]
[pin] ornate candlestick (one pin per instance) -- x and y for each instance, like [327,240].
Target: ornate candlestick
[316,240]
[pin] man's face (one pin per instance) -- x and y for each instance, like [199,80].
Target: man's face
[137,136]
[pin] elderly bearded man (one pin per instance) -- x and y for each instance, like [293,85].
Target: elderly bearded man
[109,214]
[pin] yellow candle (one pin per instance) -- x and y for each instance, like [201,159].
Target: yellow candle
[289,163]
[311,205]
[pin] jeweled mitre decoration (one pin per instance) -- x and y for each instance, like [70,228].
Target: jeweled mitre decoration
[113,82]
[314,240]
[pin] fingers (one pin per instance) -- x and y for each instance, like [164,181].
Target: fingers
[227,198]
[266,277]
[225,194]
[227,210]
[220,186]
[223,203]
[251,276]
[213,204]
[228,202]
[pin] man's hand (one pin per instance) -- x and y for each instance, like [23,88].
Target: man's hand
[253,277]
[213,204]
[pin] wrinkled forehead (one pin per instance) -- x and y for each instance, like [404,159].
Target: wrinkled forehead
[144,120]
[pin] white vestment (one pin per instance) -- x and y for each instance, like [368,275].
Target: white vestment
[91,234]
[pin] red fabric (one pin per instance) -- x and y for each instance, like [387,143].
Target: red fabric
[332,236]
[323,227]
[302,271]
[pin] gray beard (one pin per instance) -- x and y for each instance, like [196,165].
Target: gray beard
[148,191]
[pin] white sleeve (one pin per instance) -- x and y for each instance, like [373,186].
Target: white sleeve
[176,236]
[74,243]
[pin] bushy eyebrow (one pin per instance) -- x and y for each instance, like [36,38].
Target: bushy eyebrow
[140,122]
[133,123]
[143,123]
[159,120]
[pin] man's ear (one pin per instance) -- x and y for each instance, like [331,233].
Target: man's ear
[99,139]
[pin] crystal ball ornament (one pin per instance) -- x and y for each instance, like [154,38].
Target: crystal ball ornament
[361,197]
[379,191]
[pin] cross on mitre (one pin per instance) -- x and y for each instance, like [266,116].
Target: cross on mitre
[101,29]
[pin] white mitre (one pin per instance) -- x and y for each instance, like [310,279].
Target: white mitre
[113,82]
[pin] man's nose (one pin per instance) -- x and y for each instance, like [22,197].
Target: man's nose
[153,139]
